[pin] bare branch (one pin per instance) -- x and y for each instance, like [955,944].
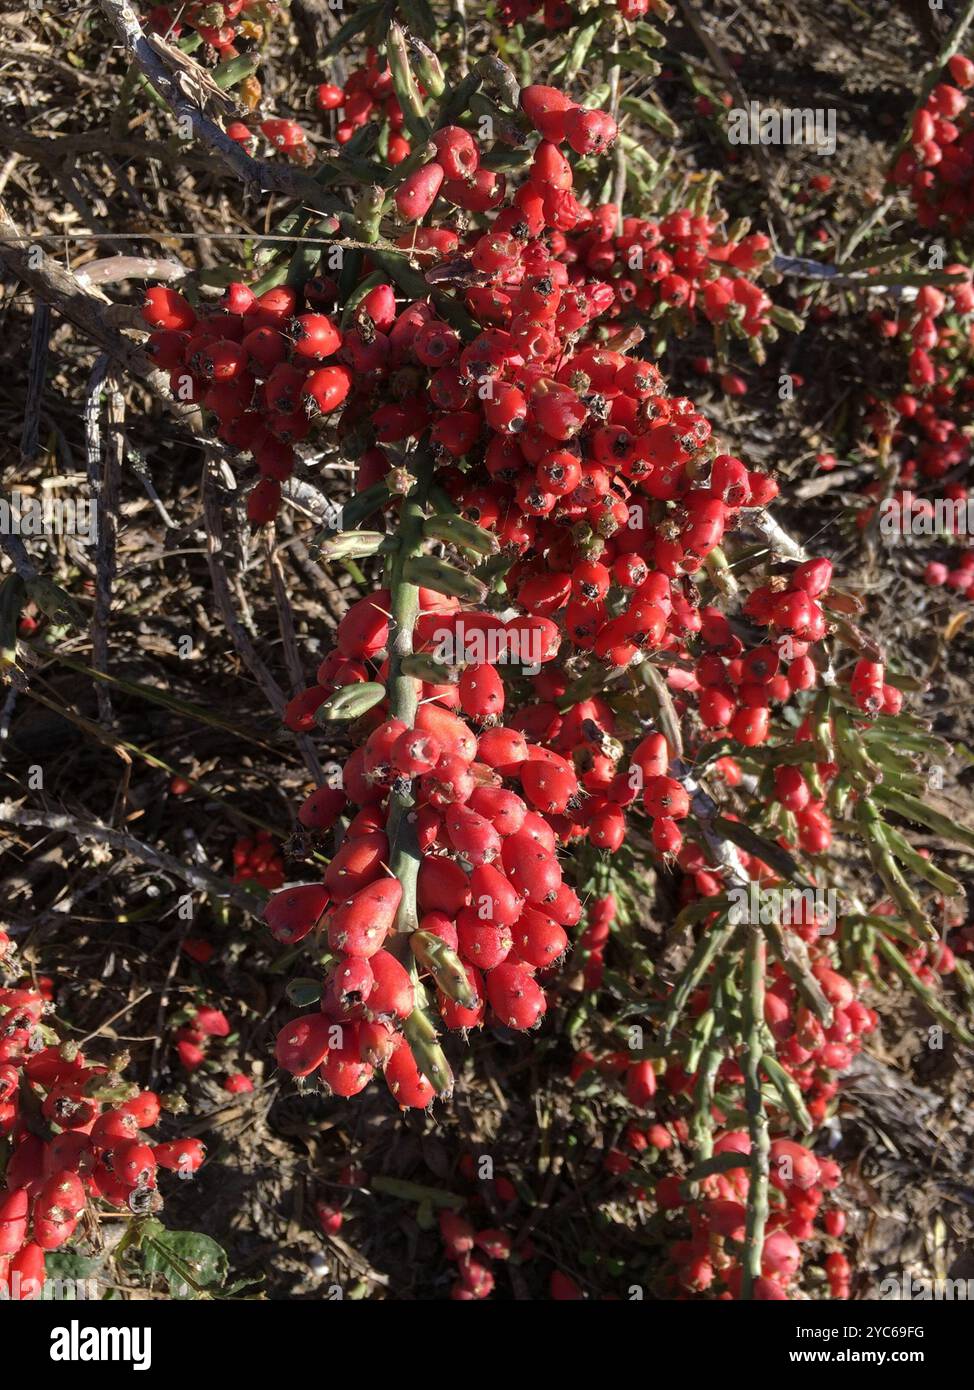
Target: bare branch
[111,269]
[198,878]
[40,336]
[103,483]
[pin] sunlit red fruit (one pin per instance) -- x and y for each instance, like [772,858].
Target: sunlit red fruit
[93,1150]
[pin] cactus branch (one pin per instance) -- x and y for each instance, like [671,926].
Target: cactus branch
[403,689]
[757,1120]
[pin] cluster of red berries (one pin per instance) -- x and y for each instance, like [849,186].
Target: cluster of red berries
[281,133]
[707,1258]
[930,960]
[263,369]
[933,340]
[66,1139]
[961,940]
[813,1053]
[257,363]
[195,1034]
[507,919]
[221,25]
[491,904]
[803,812]
[548,447]
[368,94]
[938,166]
[871,691]
[958,575]
[512,250]
[472,1251]
[808,1049]
[218,23]
[475,1231]
[679,266]
[607,495]
[927,423]
[734,687]
[258,860]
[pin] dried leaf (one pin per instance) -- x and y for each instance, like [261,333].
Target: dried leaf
[954,624]
[193,81]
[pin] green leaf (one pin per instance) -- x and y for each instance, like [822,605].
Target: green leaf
[349,702]
[55,603]
[570,65]
[189,1262]
[646,34]
[66,1269]
[912,808]
[13,594]
[634,61]
[654,116]
[407,1191]
[303,991]
[787,1089]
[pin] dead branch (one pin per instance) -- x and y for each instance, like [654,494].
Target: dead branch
[201,879]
